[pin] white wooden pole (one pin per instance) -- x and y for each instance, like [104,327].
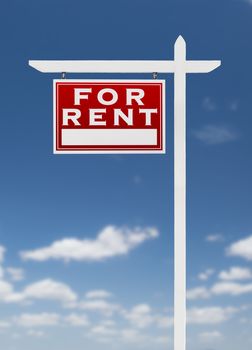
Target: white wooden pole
[180,195]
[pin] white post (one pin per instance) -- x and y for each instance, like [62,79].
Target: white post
[180,195]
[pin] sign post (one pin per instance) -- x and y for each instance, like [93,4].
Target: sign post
[180,196]
[180,66]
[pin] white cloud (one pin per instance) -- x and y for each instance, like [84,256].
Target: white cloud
[110,242]
[198,293]
[14,297]
[2,253]
[108,322]
[47,289]
[103,330]
[210,315]
[231,288]
[1,272]
[130,335]
[213,135]
[241,248]
[204,276]
[77,320]
[140,316]
[224,287]
[236,273]
[215,238]
[37,320]
[113,335]
[6,290]
[136,337]
[100,306]
[98,294]
[209,104]
[4,324]
[15,273]
[164,321]
[30,320]
[210,336]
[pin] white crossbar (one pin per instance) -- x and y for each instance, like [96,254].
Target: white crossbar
[121,66]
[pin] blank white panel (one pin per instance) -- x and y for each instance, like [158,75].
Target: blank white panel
[109,137]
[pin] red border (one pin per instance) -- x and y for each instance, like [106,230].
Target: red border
[158,147]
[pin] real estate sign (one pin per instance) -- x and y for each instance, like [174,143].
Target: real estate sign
[109,116]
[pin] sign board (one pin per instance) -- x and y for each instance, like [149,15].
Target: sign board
[109,116]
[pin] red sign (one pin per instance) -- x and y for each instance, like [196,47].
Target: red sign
[109,116]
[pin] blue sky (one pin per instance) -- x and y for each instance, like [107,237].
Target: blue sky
[71,276]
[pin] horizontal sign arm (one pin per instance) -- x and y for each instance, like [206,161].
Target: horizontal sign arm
[121,66]
[103,66]
[201,66]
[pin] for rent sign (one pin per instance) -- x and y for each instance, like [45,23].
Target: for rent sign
[109,116]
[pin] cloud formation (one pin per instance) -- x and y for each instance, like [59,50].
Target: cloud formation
[76,320]
[208,104]
[140,316]
[98,294]
[217,237]
[198,293]
[204,276]
[110,242]
[210,336]
[15,274]
[241,248]
[6,289]
[231,288]
[214,135]
[220,288]
[2,253]
[47,289]
[236,273]
[210,315]
[100,306]
[38,320]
